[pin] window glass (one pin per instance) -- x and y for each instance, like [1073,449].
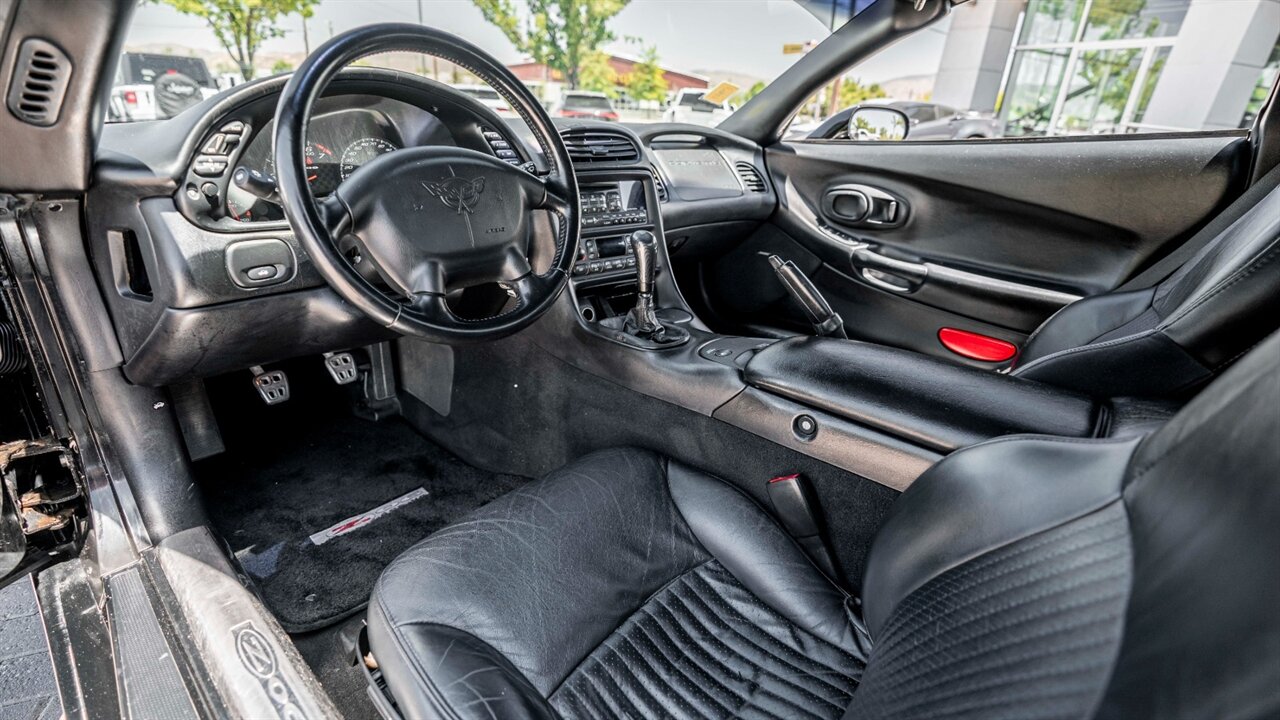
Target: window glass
[1066,67]
[1051,21]
[1032,90]
[634,56]
[1124,19]
[1099,91]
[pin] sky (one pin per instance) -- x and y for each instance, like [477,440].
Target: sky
[742,36]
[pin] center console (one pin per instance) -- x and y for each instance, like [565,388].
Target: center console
[621,280]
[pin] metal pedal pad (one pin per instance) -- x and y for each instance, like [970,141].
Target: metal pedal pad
[272,387]
[342,367]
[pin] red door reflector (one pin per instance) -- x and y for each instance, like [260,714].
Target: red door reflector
[975,346]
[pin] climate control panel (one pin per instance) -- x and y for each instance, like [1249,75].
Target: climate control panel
[605,255]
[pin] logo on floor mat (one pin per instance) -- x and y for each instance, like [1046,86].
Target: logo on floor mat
[358,521]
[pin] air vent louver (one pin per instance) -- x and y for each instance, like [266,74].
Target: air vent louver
[659,186]
[750,176]
[39,83]
[599,146]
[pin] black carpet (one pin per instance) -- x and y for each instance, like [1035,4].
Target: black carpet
[291,471]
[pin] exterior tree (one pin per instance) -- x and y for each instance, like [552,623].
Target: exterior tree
[744,95]
[853,92]
[560,34]
[241,26]
[647,81]
[598,75]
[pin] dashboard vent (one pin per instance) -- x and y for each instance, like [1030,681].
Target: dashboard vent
[750,176]
[39,83]
[659,186]
[598,146]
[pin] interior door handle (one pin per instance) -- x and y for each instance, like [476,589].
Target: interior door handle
[886,273]
[863,206]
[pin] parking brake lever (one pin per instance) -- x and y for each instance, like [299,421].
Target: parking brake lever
[826,322]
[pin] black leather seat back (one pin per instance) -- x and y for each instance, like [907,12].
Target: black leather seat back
[1053,577]
[1166,339]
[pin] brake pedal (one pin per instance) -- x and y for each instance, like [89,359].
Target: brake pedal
[272,387]
[342,367]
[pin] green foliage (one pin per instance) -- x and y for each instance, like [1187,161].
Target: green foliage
[744,95]
[853,92]
[560,34]
[241,26]
[598,75]
[647,81]
[281,66]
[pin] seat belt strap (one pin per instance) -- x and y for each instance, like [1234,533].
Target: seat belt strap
[1169,264]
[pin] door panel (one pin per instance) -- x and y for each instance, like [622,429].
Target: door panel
[989,235]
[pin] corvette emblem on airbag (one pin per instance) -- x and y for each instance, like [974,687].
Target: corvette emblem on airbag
[457,193]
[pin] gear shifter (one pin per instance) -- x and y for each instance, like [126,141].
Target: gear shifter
[641,327]
[641,319]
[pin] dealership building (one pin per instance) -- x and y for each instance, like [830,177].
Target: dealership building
[1111,66]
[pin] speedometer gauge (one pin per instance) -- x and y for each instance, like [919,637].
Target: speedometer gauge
[362,151]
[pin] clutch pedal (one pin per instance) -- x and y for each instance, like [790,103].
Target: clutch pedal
[342,367]
[272,387]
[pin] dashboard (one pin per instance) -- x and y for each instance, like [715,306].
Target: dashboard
[176,243]
[229,184]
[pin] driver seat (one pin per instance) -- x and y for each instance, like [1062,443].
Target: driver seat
[1028,577]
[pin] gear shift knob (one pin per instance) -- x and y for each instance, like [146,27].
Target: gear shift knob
[645,246]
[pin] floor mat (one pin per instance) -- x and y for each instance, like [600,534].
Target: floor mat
[273,495]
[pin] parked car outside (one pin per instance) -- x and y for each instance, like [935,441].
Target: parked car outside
[487,97]
[586,105]
[928,121]
[152,86]
[688,106]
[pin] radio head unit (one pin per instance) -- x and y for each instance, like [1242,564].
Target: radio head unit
[613,203]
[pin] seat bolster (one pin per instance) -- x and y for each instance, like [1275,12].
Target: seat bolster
[467,677]
[983,498]
[751,545]
[1147,364]
[1084,321]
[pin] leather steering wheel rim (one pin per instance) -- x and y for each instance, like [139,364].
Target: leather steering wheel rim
[423,313]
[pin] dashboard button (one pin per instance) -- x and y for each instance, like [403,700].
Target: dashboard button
[233,128]
[216,145]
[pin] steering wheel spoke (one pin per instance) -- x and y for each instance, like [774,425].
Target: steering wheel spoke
[334,215]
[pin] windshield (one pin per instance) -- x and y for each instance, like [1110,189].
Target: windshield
[638,55]
[146,68]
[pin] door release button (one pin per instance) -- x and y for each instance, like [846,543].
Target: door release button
[258,263]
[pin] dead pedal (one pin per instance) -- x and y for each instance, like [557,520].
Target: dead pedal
[342,367]
[272,386]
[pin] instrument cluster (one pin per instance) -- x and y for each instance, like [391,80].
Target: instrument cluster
[338,144]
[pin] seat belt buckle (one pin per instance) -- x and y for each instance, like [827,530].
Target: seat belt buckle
[795,508]
[790,497]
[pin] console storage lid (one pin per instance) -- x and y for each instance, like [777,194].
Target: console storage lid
[925,400]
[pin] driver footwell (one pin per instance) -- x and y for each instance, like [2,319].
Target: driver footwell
[314,502]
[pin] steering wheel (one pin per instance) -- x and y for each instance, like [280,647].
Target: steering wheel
[430,219]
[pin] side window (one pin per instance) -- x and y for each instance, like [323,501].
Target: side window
[1037,68]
